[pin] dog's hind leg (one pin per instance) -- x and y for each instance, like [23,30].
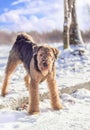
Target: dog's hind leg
[27,81]
[13,61]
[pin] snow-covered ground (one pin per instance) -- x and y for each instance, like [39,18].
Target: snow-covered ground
[72,69]
[74,116]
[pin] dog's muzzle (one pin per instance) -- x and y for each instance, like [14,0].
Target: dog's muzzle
[45,64]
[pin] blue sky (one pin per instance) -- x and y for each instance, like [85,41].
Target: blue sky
[38,15]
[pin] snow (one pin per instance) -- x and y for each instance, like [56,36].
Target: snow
[73,68]
[74,115]
[73,65]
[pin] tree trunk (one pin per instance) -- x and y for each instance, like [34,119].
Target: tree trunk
[71,32]
[75,34]
[67,18]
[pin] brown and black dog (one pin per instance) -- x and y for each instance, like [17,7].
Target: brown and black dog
[39,62]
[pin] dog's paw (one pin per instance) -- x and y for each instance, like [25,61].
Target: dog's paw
[57,106]
[3,93]
[33,112]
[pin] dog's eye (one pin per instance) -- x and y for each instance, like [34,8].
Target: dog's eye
[41,55]
[50,55]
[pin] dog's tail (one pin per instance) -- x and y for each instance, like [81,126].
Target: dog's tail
[24,36]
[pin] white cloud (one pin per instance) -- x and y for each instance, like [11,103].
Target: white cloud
[9,17]
[42,15]
[18,2]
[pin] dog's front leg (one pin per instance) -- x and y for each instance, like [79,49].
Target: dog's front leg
[54,94]
[34,98]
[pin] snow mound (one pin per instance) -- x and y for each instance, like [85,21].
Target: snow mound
[81,94]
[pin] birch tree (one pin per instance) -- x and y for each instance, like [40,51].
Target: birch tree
[71,32]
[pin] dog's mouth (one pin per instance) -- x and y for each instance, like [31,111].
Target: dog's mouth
[45,68]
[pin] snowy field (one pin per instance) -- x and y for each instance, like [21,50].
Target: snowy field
[74,116]
[72,69]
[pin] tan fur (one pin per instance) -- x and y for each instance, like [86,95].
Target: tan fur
[27,80]
[46,57]
[55,99]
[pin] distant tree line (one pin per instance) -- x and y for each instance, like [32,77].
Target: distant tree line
[45,37]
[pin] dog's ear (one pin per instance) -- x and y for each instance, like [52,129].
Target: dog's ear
[36,49]
[56,52]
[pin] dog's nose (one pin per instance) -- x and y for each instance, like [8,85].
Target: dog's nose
[45,64]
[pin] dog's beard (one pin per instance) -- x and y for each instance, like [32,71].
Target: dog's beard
[45,71]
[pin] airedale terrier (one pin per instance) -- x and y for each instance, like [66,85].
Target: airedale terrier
[39,62]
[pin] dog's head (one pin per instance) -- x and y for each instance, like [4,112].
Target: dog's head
[45,58]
